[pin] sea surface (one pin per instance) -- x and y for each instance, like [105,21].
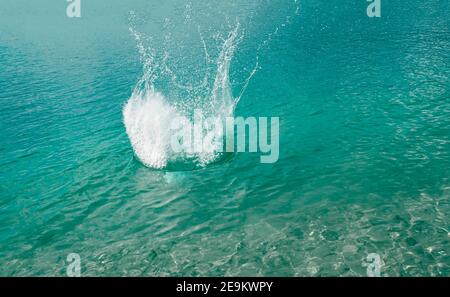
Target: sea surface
[364,138]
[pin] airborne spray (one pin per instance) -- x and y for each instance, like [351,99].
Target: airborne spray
[166,90]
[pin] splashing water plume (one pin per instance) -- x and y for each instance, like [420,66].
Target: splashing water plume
[149,112]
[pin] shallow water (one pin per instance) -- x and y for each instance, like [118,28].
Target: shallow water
[364,107]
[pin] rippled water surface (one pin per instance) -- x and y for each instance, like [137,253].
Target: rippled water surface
[364,107]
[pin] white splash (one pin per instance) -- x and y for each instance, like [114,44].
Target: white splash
[148,114]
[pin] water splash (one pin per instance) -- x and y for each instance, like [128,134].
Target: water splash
[151,108]
[148,113]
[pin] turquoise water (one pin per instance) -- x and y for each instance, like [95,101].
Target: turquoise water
[364,107]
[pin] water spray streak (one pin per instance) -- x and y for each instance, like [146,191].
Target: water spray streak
[148,113]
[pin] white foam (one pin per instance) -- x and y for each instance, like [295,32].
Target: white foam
[147,118]
[148,115]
